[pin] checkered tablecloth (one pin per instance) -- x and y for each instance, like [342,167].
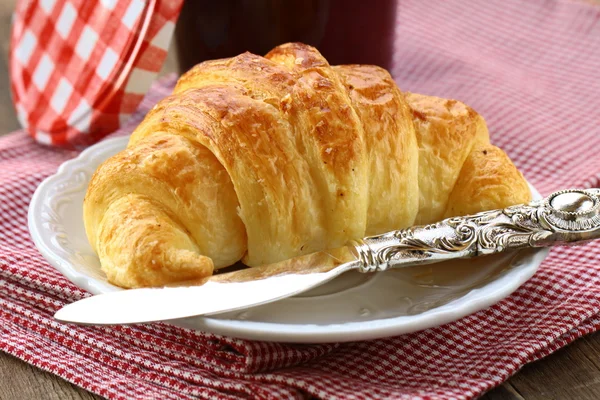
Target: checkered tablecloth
[531,68]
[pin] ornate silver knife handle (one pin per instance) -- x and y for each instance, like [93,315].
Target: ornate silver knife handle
[564,217]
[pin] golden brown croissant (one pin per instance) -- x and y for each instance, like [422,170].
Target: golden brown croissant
[264,158]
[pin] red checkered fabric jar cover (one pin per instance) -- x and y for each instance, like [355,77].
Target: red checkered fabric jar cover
[80,68]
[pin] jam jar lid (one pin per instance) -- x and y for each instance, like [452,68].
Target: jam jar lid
[79,68]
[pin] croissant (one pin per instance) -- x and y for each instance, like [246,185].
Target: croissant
[261,159]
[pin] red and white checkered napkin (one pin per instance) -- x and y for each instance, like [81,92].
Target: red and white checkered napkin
[530,68]
[79,69]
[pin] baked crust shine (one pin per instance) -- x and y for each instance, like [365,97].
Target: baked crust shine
[261,159]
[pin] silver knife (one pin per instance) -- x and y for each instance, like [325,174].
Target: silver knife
[564,217]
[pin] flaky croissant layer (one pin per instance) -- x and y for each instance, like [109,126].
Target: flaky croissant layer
[261,159]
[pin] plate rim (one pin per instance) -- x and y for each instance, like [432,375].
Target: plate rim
[501,288]
[475,300]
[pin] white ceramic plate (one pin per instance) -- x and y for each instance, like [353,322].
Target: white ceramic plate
[353,307]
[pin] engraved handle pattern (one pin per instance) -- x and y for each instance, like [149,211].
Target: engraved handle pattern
[563,217]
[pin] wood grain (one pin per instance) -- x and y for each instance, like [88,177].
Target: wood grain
[504,392]
[570,373]
[22,381]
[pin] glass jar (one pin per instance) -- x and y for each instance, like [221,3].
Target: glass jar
[345,31]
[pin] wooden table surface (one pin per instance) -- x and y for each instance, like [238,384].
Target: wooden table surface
[570,373]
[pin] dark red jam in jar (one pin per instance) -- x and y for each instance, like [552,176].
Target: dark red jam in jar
[345,31]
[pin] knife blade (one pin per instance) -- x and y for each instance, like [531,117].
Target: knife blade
[564,217]
[219,293]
